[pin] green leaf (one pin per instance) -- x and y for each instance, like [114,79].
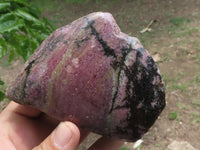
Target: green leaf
[47,22]
[33,45]
[16,41]
[29,46]
[24,48]
[3,48]
[27,16]
[1,82]
[21,30]
[40,27]
[11,25]
[2,95]
[24,45]
[6,17]
[4,7]
[12,54]
[39,35]
[22,2]
[34,11]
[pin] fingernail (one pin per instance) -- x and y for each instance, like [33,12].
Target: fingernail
[62,135]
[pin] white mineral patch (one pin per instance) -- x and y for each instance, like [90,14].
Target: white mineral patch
[75,62]
[137,143]
[130,59]
[69,69]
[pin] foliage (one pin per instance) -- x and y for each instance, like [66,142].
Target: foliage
[2,95]
[21,29]
[173,115]
[76,1]
[124,148]
[84,1]
[181,87]
[178,21]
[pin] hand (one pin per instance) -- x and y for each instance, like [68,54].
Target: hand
[25,128]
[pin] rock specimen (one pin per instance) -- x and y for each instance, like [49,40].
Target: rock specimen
[92,74]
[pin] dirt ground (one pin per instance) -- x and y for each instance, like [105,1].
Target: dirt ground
[174,42]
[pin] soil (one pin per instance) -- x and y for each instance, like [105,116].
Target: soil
[173,42]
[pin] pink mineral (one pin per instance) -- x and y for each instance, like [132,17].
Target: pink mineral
[92,74]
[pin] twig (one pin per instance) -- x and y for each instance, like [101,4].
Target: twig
[148,26]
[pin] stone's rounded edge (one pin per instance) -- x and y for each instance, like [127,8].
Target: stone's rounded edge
[100,14]
[15,91]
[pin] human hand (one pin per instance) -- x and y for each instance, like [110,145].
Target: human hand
[25,128]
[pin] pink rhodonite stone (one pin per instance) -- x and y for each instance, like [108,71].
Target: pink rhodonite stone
[92,74]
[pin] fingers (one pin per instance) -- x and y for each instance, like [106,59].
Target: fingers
[106,144]
[65,137]
[26,111]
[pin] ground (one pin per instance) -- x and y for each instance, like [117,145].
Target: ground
[173,42]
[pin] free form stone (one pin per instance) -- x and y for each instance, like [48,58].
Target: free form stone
[92,74]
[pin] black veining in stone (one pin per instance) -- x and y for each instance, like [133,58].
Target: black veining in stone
[144,93]
[27,69]
[107,50]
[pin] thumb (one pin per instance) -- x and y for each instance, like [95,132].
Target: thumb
[65,137]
